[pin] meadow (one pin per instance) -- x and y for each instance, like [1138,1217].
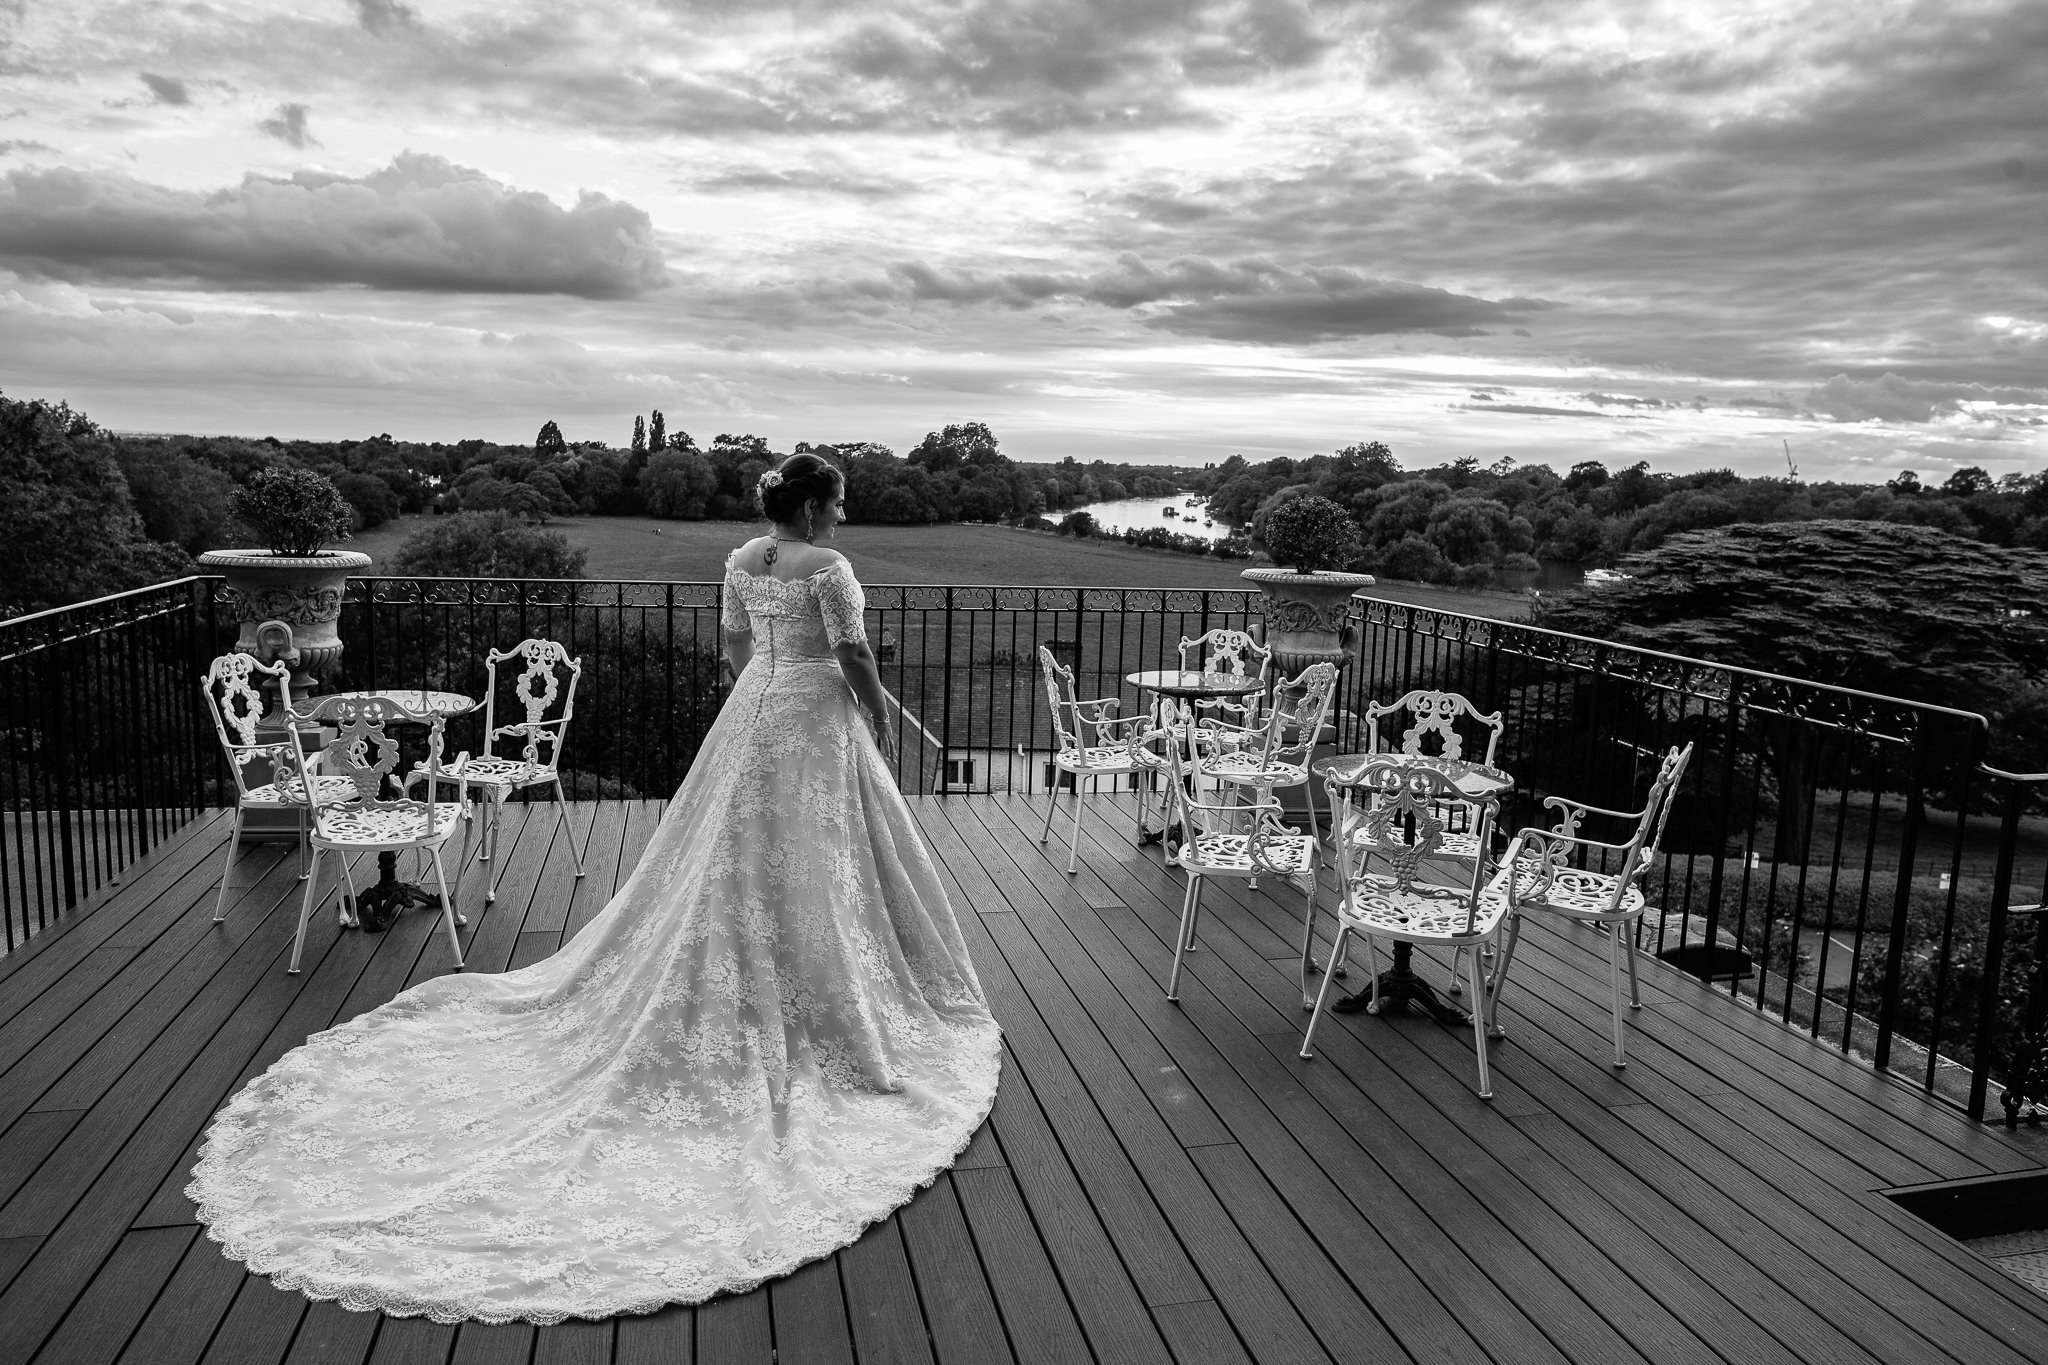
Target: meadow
[694,552]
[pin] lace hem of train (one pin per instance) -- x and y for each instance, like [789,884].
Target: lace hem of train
[214,1190]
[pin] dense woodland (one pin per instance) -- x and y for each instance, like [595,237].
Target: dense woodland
[107,511]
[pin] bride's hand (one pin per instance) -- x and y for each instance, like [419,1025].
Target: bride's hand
[885,739]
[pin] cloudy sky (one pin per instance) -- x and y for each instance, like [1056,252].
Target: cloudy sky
[1132,229]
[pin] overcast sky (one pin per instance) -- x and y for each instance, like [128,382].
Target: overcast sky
[1131,229]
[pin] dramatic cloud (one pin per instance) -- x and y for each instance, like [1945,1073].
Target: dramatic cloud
[382,16]
[288,125]
[804,180]
[422,224]
[1252,301]
[1035,69]
[1104,226]
[167,89]
[1888,398]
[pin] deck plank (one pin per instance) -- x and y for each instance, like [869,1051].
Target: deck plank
[952,1282]
[736,1329]
[1037,1315]
[668,1337]
[187,1315]
[881,1299]
[258,1329]
[1159,1181]
[100,1322]
[32,966]
[809,1312]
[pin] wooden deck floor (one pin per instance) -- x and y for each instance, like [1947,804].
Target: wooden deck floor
[1158,1183]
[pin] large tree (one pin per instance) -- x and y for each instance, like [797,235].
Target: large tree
[961,443]
[487,545]
[1905,611]
[66,518]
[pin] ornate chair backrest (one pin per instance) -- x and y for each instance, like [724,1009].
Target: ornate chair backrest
[1396,812]
[545,691]
[1301,706]
[1219,814]
[1432,731]
[365,752]
[1663,792]
[1643,843]
[1060,697]
[234,698]
[1231,652]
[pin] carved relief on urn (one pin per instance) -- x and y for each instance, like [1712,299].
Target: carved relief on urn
[303,591]
[1308,616]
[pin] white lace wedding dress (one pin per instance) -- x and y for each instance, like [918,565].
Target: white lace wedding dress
[770,1038]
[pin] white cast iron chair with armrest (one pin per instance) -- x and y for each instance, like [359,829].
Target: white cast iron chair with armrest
[1430,724]
[1094,742]
[1233,653]
[1228,837]
[363,752]
[546,692]
[1275,752]
[234,698]
[1539,876]
[1392,815]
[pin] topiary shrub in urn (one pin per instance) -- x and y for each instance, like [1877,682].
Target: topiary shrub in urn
[1310,539]
[295,513]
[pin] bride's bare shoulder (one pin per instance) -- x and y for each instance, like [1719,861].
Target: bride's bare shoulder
[828,559]
[751,557]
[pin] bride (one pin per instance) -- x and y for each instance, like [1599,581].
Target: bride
[769,1039]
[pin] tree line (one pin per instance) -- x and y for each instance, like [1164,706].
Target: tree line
[1457,523]
[88,511]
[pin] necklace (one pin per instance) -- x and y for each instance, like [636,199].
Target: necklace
[768,556]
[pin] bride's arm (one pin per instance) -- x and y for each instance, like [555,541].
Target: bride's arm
[739,649]
[857,662]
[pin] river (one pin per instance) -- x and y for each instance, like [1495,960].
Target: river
[1139,513]
[1549,576]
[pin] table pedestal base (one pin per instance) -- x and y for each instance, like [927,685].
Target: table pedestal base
[378,908]
[1400,987]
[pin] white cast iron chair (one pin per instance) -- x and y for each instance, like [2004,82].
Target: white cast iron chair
[1426,724]
[546,691]
[1275,752]
[1094,742]
[1398,821]
[1228,837]
[234,698]
[1231,652]
[1539,876]
[365,754]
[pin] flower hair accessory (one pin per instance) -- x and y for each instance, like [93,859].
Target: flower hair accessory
[771,478]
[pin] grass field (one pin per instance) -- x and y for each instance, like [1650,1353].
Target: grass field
[694,552]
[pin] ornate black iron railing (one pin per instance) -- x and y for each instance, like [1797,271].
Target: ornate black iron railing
[1840,860]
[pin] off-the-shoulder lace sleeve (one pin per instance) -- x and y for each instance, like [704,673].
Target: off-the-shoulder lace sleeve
[841,602]
[732,612]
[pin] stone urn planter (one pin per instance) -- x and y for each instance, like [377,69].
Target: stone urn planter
[303,591]
[1311,539]
[1307,616]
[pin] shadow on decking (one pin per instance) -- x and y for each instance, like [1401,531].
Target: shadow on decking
[1157,1182]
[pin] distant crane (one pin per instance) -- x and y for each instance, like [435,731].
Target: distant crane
[1793,469]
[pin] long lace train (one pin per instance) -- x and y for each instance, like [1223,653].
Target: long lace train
[770,1038]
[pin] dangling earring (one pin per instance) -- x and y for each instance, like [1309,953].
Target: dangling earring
[807,525]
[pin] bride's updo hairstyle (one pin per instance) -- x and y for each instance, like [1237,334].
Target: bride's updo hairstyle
[785,489]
